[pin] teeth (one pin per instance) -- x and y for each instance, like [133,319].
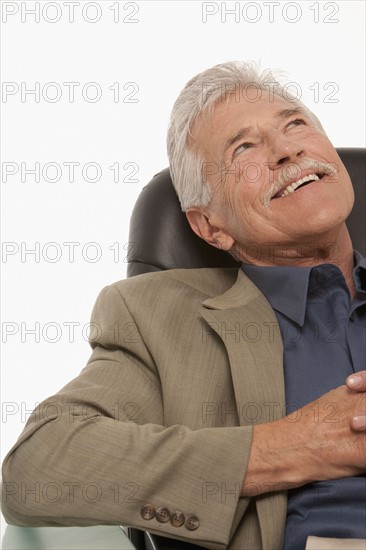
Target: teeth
[291,188]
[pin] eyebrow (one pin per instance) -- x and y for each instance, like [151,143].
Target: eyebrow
[287,113]
[244,132]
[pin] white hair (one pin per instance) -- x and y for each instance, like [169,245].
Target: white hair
[199,97]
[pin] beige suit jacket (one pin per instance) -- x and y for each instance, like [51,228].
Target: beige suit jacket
[184,362]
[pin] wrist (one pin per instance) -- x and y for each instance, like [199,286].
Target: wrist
[278,460]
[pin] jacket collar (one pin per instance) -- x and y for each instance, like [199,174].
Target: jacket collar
[236,296]
[247,325]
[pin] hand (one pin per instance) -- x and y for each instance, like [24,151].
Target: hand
[323,440]
[357,382]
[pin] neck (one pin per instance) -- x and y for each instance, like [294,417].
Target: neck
[336,250]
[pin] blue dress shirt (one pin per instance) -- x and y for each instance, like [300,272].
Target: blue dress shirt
[324,338]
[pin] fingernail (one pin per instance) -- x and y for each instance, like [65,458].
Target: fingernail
[355,381]
[359,422]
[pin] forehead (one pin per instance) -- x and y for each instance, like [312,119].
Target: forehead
[233,113]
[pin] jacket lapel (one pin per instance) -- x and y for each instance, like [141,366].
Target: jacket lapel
[247,325]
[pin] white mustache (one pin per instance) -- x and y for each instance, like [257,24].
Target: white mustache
[292,172]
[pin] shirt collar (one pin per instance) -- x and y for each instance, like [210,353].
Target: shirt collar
[359,273]
[286,288]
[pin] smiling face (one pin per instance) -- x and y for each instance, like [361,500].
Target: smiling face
[276,178]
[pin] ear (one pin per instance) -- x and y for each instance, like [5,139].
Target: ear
[199,220]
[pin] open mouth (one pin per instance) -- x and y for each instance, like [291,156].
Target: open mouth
[296,185]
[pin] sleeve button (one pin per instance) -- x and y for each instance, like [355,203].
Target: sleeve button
[162,514]
[177,519]
[148,511]
[192,523]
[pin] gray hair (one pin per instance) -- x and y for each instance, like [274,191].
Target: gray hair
[199,97]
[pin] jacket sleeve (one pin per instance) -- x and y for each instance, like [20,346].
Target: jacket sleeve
[97,452]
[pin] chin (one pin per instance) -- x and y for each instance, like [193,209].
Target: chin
[322,227]
[327,213]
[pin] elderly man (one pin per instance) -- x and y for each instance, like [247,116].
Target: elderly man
[180,428]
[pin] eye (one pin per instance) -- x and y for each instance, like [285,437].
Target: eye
[296,122]
[242,147]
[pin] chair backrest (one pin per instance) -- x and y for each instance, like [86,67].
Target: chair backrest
[161,238]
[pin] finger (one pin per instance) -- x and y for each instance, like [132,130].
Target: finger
[357,381]
[358,423]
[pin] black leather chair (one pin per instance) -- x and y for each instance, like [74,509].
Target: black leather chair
[161,238]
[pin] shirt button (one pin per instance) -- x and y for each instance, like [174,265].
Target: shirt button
[148,511]
[192,523]
[177,519]
[162,514]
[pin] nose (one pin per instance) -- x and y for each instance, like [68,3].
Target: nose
[284,150]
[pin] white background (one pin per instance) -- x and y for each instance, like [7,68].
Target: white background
[156,46]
